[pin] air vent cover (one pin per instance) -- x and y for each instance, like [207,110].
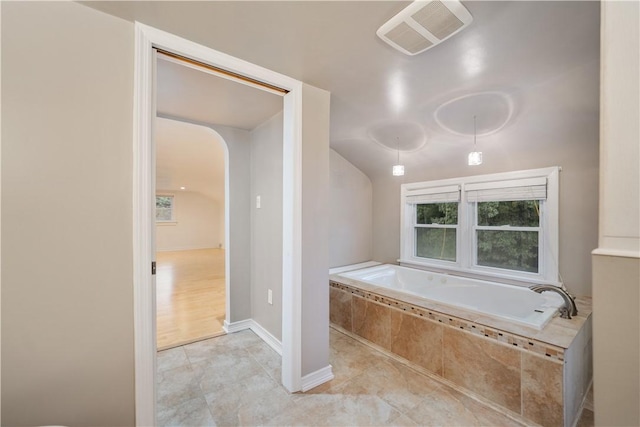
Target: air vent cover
[424,24]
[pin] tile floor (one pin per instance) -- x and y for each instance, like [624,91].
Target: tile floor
[235,380]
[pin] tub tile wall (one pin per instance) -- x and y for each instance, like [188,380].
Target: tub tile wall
[484,367]
[418,340]
[519,373]
[542,394]
[340,312]
[526,344]
[372,321]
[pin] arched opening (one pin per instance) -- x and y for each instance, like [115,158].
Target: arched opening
[192,238]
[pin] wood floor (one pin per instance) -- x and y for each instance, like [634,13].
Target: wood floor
[190,296]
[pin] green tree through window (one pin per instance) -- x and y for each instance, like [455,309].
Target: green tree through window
[508,234]
[164,208]
[436,230]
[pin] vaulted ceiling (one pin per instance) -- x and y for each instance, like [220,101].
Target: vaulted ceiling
[503,66]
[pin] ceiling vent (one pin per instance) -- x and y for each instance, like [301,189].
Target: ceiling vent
[424,24]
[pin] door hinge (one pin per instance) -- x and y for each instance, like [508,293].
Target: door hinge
[153,267]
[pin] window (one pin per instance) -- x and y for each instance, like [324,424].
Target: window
[434,223]
[164,208]
[508,234]
[495,226]
[436,228]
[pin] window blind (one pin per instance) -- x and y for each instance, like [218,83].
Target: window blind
[517,189]
[445,194]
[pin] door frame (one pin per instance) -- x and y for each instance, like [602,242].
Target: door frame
[146,39]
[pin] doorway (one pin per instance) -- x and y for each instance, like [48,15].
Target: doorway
[190,231]
[147,39]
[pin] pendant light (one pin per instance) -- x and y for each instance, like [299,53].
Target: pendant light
[475,157]
[398,169]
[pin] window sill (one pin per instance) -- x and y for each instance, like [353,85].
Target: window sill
[163,223]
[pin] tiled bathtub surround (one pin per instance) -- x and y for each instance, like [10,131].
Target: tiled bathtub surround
[542,380]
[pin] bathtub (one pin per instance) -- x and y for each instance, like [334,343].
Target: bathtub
[513,303]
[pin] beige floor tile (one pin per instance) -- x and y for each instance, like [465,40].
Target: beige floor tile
[226,370]
[175,386]
[194,412]
[249,402]
[173,358]
[268,359]
[235,380]
[350,358]
[338,410]
[401,387]
[403,420]
[448,407]
[215,347]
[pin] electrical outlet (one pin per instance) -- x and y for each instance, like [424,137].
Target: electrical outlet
[270,297]
[257,202]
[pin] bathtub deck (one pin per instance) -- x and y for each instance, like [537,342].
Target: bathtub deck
[541,376]
[557,333]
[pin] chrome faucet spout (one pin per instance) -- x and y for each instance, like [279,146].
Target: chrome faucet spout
[569,309]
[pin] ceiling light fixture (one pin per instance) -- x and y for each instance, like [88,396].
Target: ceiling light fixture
[183,188]
[475,157]
[398,169]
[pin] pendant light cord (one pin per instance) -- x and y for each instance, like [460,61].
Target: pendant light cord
[475,145]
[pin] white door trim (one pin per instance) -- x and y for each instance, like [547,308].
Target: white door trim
[147,38]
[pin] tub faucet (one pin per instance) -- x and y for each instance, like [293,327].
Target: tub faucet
[569,309]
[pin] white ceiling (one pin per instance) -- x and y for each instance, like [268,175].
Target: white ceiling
[381,98]
[189,156]
[188,93]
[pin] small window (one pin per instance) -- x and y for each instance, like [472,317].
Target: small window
[436,231]
[164,208]
[508,235]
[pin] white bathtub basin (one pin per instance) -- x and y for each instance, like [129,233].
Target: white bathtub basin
[513,303]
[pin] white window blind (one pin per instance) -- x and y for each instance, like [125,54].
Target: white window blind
[517,189]
[445,194]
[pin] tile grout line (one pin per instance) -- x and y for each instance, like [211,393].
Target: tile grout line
[440,380]
[202,393]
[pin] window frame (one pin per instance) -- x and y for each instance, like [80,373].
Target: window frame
[496,270]
[434,226]
[172,220]
[466,237]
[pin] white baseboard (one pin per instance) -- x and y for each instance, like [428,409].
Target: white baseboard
[237,326]
[265,335]
[314,379]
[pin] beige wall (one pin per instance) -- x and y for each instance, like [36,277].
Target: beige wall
[616,340]
[315,229]
[616,262]
[572,144]
[351,215]
[266,224]
[238,144]
[199,223]
[67,296]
